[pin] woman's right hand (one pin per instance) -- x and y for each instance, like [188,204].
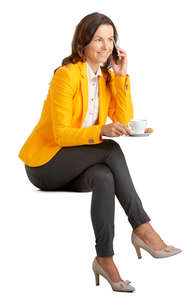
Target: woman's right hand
[115,129]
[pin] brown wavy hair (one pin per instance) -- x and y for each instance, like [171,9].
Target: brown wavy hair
[83,35]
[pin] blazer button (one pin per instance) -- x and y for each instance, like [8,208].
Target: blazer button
[90,141]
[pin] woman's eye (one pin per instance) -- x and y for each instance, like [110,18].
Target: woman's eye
[99,40]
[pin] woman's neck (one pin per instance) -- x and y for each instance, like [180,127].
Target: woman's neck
[94,66]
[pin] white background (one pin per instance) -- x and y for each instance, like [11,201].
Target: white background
[47,241]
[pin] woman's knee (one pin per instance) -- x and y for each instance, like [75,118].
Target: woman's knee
[101,173]
[111,142]
[115,150]
[113,145]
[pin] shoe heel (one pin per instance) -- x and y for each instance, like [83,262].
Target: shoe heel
[138,251]
[97,278]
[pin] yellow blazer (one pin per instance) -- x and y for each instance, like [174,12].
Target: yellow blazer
[64,112]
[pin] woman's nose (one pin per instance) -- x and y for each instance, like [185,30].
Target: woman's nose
[105,46]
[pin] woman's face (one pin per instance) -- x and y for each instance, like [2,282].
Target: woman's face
[101,46]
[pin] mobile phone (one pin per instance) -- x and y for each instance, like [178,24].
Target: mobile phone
[115,53]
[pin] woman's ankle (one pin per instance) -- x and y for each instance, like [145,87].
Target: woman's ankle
[142,229]
[107,259]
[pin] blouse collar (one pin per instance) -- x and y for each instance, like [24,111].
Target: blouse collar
[90,72]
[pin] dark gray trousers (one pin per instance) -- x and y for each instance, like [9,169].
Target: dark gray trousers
[102,169]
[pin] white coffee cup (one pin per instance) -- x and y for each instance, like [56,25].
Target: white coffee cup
[138,126]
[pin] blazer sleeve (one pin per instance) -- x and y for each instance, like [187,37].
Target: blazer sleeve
[62,90]
[120,107]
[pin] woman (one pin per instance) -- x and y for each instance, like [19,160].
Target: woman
[66,151]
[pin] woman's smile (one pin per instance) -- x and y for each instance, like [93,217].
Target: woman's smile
[103,53]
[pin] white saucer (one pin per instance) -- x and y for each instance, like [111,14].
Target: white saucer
[138,134]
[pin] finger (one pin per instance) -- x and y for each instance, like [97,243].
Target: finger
[117,126]
[124,129]
[119,130]
[122,54]
[130,132]
[127,130]
[122,50]
[123,57]
[119,49]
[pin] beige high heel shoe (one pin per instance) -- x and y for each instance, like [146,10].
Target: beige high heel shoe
[165,252]
[121,286]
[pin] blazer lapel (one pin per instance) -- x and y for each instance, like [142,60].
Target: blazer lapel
[84,89]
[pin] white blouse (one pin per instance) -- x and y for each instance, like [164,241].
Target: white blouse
[93,94]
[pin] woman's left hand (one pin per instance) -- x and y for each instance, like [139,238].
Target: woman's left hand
[120,69]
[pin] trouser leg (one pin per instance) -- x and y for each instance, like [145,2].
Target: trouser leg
[100,181]
[124,188]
